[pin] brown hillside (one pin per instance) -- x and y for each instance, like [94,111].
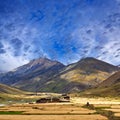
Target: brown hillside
[114,79]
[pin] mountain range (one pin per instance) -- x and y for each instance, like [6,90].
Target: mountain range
[44,75]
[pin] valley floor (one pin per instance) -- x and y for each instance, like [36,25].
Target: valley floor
[104,109]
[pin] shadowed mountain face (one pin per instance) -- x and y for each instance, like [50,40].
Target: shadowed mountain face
[51,76]
[92,64]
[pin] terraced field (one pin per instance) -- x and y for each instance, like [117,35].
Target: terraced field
[48,111]
[102,109]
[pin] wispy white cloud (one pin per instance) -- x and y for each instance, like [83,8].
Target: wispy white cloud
[9,62]
[66,33]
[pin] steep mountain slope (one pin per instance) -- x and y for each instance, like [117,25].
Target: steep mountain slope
[114,79]
[84,74]
[108,88]
[30,74]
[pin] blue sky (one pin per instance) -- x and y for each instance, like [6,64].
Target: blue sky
[63,30]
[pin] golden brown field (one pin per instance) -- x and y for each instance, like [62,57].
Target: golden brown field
[62,111]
